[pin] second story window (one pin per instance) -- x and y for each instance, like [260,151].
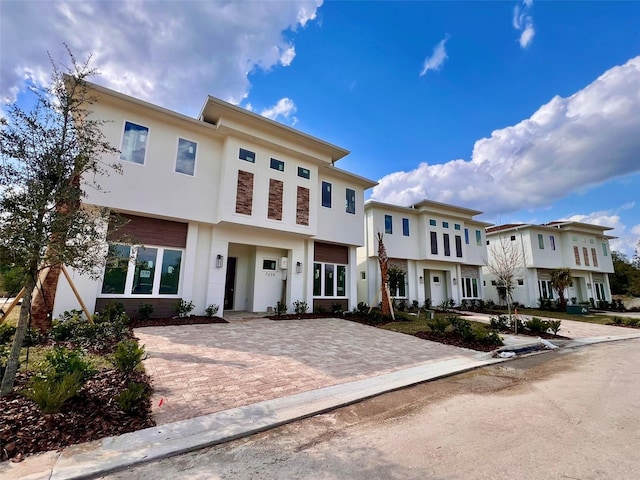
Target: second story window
[447,246]
[134,143]
[432,222]
[350,201]
[478,238]
[326,194]
[186,157]
[405,227]
[388,224]
[304,173]
[445,224]
[552,242]
[466,236]
[540,241]
[434,243]
[277,164]
[458,246]
[247,155]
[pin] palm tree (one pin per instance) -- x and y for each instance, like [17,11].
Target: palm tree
[560,281]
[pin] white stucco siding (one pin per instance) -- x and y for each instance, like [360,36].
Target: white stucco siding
[154,187]
[396,243]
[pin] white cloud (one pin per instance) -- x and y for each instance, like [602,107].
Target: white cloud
[285,108]
[568,144]
[523,22]
[437,58]
[170,53]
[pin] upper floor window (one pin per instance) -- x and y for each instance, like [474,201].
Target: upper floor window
[405,227]
[456,226]
[432,222]
[134,143]
[604,249]
[592,241]
[277,164]
[445,224]
[576,255]
[326,194]
[388,224]
[247,155]
[350,201]
[512,238]
[574,238]
[478,238]
[434,243]
[186,156]
[585,254]
[540,241]
[458,246]
[304,172]
[594,256]
[466,236]
[447,246]
[552,241]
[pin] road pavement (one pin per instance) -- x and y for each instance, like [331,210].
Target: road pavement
[569,414]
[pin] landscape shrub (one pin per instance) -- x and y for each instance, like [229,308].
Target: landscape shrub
[4,358]
[71,325]
[110,312]
[439,324]
[184,308]
[211,310]
[462,327]
[134,398]
[300,307]
[617,320]
[536,325]
[336,308]
[362,307]
[516,321]
[554,326]
[51,392]
[499,323]
[7,332]
[481,335]
[145,310]
[281,308]
[61,361]
[632,322]
[127,356]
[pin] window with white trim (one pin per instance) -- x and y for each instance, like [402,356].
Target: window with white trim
[142,270]
[134,143]
[329,280]
[469,287]
[545,289]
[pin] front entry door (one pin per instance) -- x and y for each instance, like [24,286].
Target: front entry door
[230,283]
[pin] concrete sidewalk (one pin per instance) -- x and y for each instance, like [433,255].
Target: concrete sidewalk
[377,376]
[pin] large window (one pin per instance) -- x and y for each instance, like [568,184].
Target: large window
[326,194]
[142,271]
[478,238]
[447,245]
[540,241]
[329,280]
[388,224]
[134,143]
[458,246]
[434,243]
[350,201]
[186,156]
[585,254]
[469,287]
[594,256]
[545,290]
[405,227]
[576,255]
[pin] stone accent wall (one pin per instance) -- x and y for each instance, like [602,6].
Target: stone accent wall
[276,188]
[302,206]
[244,193]
[469,271]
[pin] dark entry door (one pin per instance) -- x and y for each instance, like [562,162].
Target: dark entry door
[230,283]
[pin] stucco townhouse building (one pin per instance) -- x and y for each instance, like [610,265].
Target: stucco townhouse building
[581,247]
[229,209]
[440,247]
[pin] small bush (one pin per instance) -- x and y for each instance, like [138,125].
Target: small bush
[144,311]
[617,320]
[462,327]
[134,398]
[33,337]
[211,310]
[554,326]
[300,307]
[487,338]
[438,324]
[51,392]
[184,308]
[281,308]
[128,355]
[6,333]
[4,358]
[65,361]
[110,312]
[536,325]
[516,321]
[499,323]
[362,307]
[336,308]
[632,322]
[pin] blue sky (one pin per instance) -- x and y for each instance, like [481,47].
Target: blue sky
[528,111]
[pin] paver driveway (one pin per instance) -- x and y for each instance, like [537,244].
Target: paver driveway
[201,369]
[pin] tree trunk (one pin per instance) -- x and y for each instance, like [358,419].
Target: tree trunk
[23,322]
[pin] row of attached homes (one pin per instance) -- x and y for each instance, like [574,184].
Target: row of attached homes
[235,210]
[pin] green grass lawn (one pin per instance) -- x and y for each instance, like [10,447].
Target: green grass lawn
[599,319]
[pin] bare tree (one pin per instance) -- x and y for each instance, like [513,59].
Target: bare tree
[506,262]
[47,155]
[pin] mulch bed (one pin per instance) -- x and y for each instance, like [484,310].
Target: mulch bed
[455,340]
[91,415]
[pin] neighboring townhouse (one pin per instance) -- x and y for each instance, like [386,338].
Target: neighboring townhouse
[229,208]
[440,247]
[582,247]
